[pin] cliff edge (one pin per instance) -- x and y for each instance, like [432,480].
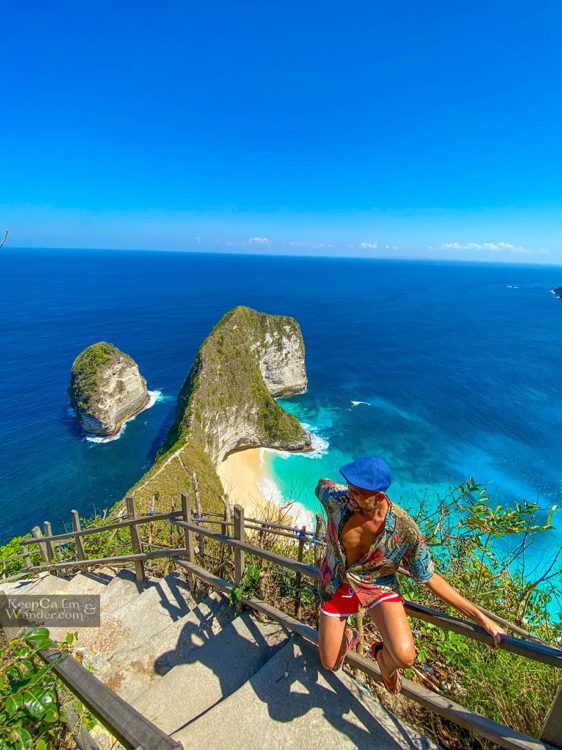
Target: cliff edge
[106,388]
[227,403]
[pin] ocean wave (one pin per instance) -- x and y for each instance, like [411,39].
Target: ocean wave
[357,403]
[301,516]
[163,398]
[320,445]
[153,398]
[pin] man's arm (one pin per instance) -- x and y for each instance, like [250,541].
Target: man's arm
[439,586]
[322,483]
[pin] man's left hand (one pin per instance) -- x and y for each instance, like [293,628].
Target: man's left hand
[492,628]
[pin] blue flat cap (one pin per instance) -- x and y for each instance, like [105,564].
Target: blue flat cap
[368,473]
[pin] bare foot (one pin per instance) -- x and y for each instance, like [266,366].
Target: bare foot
[391,680]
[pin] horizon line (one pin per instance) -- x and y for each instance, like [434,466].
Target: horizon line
[274,254]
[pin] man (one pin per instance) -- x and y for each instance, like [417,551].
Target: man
[368,537]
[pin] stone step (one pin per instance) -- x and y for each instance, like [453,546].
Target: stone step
[45,585]
[131,613]
[131,671]
[122,587]
[292,702]
[88,583]
[51,584]
[169,597]
[209,673]
[23,586]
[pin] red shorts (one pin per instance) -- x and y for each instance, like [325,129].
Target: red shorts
[345,602]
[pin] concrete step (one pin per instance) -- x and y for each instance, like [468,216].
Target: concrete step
[294,703]
[88,583]
[131,671]
[132,614]
[45,585]
[51,584]
[122,587]
[23,586]
[169,597]
[209,673]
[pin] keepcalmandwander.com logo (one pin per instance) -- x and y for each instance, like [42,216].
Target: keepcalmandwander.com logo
[52,610]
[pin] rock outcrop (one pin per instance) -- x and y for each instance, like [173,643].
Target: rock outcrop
[557,292]
[227,403]
[106,388]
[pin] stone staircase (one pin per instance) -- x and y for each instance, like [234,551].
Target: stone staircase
[210,679]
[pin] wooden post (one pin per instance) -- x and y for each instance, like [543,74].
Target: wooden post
[135,540]
[552,729]
[48,543]
[298,578]
[225,529]
[238,553]
[26,556]
[361,631]
[80,551]
[188,538]
[187,534]
[199,512]
[227,515]
[36,531]
[318,534]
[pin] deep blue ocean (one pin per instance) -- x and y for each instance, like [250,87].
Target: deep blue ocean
[447,370]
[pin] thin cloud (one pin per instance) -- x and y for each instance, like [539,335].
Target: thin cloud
[493,247]
[259,241]
[366,245]
[311,245]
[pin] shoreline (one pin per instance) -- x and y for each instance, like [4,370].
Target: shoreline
[248,482]
[153,397]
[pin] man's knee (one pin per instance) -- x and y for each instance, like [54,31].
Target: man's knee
[404,654]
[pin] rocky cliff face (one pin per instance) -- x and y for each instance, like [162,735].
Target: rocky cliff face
[106,388]
[227,403]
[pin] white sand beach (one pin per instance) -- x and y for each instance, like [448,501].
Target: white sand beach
[245,479]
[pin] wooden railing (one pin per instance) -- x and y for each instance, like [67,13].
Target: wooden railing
[126,724]
[233,536]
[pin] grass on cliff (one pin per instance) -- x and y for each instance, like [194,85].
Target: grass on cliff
[85,371]
[224,385]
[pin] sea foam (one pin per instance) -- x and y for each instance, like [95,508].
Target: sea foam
[153,398]
[300,515]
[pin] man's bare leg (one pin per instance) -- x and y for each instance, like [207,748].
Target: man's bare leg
[332,639]
[399,651]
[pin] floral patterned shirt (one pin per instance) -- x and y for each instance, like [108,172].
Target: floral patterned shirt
[400,542]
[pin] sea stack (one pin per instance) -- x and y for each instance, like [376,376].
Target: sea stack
[106,388]
[227,403]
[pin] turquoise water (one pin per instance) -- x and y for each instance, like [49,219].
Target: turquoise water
[448,371]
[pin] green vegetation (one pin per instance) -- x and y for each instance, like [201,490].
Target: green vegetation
[85,374]
[481,550]
[33,701]
[223,389]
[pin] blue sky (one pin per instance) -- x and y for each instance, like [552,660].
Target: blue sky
[377,129]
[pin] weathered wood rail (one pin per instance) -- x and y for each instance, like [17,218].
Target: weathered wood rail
[191,525]
[126,724]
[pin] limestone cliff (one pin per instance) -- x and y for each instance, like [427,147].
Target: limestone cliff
[227,403]
[106,388]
